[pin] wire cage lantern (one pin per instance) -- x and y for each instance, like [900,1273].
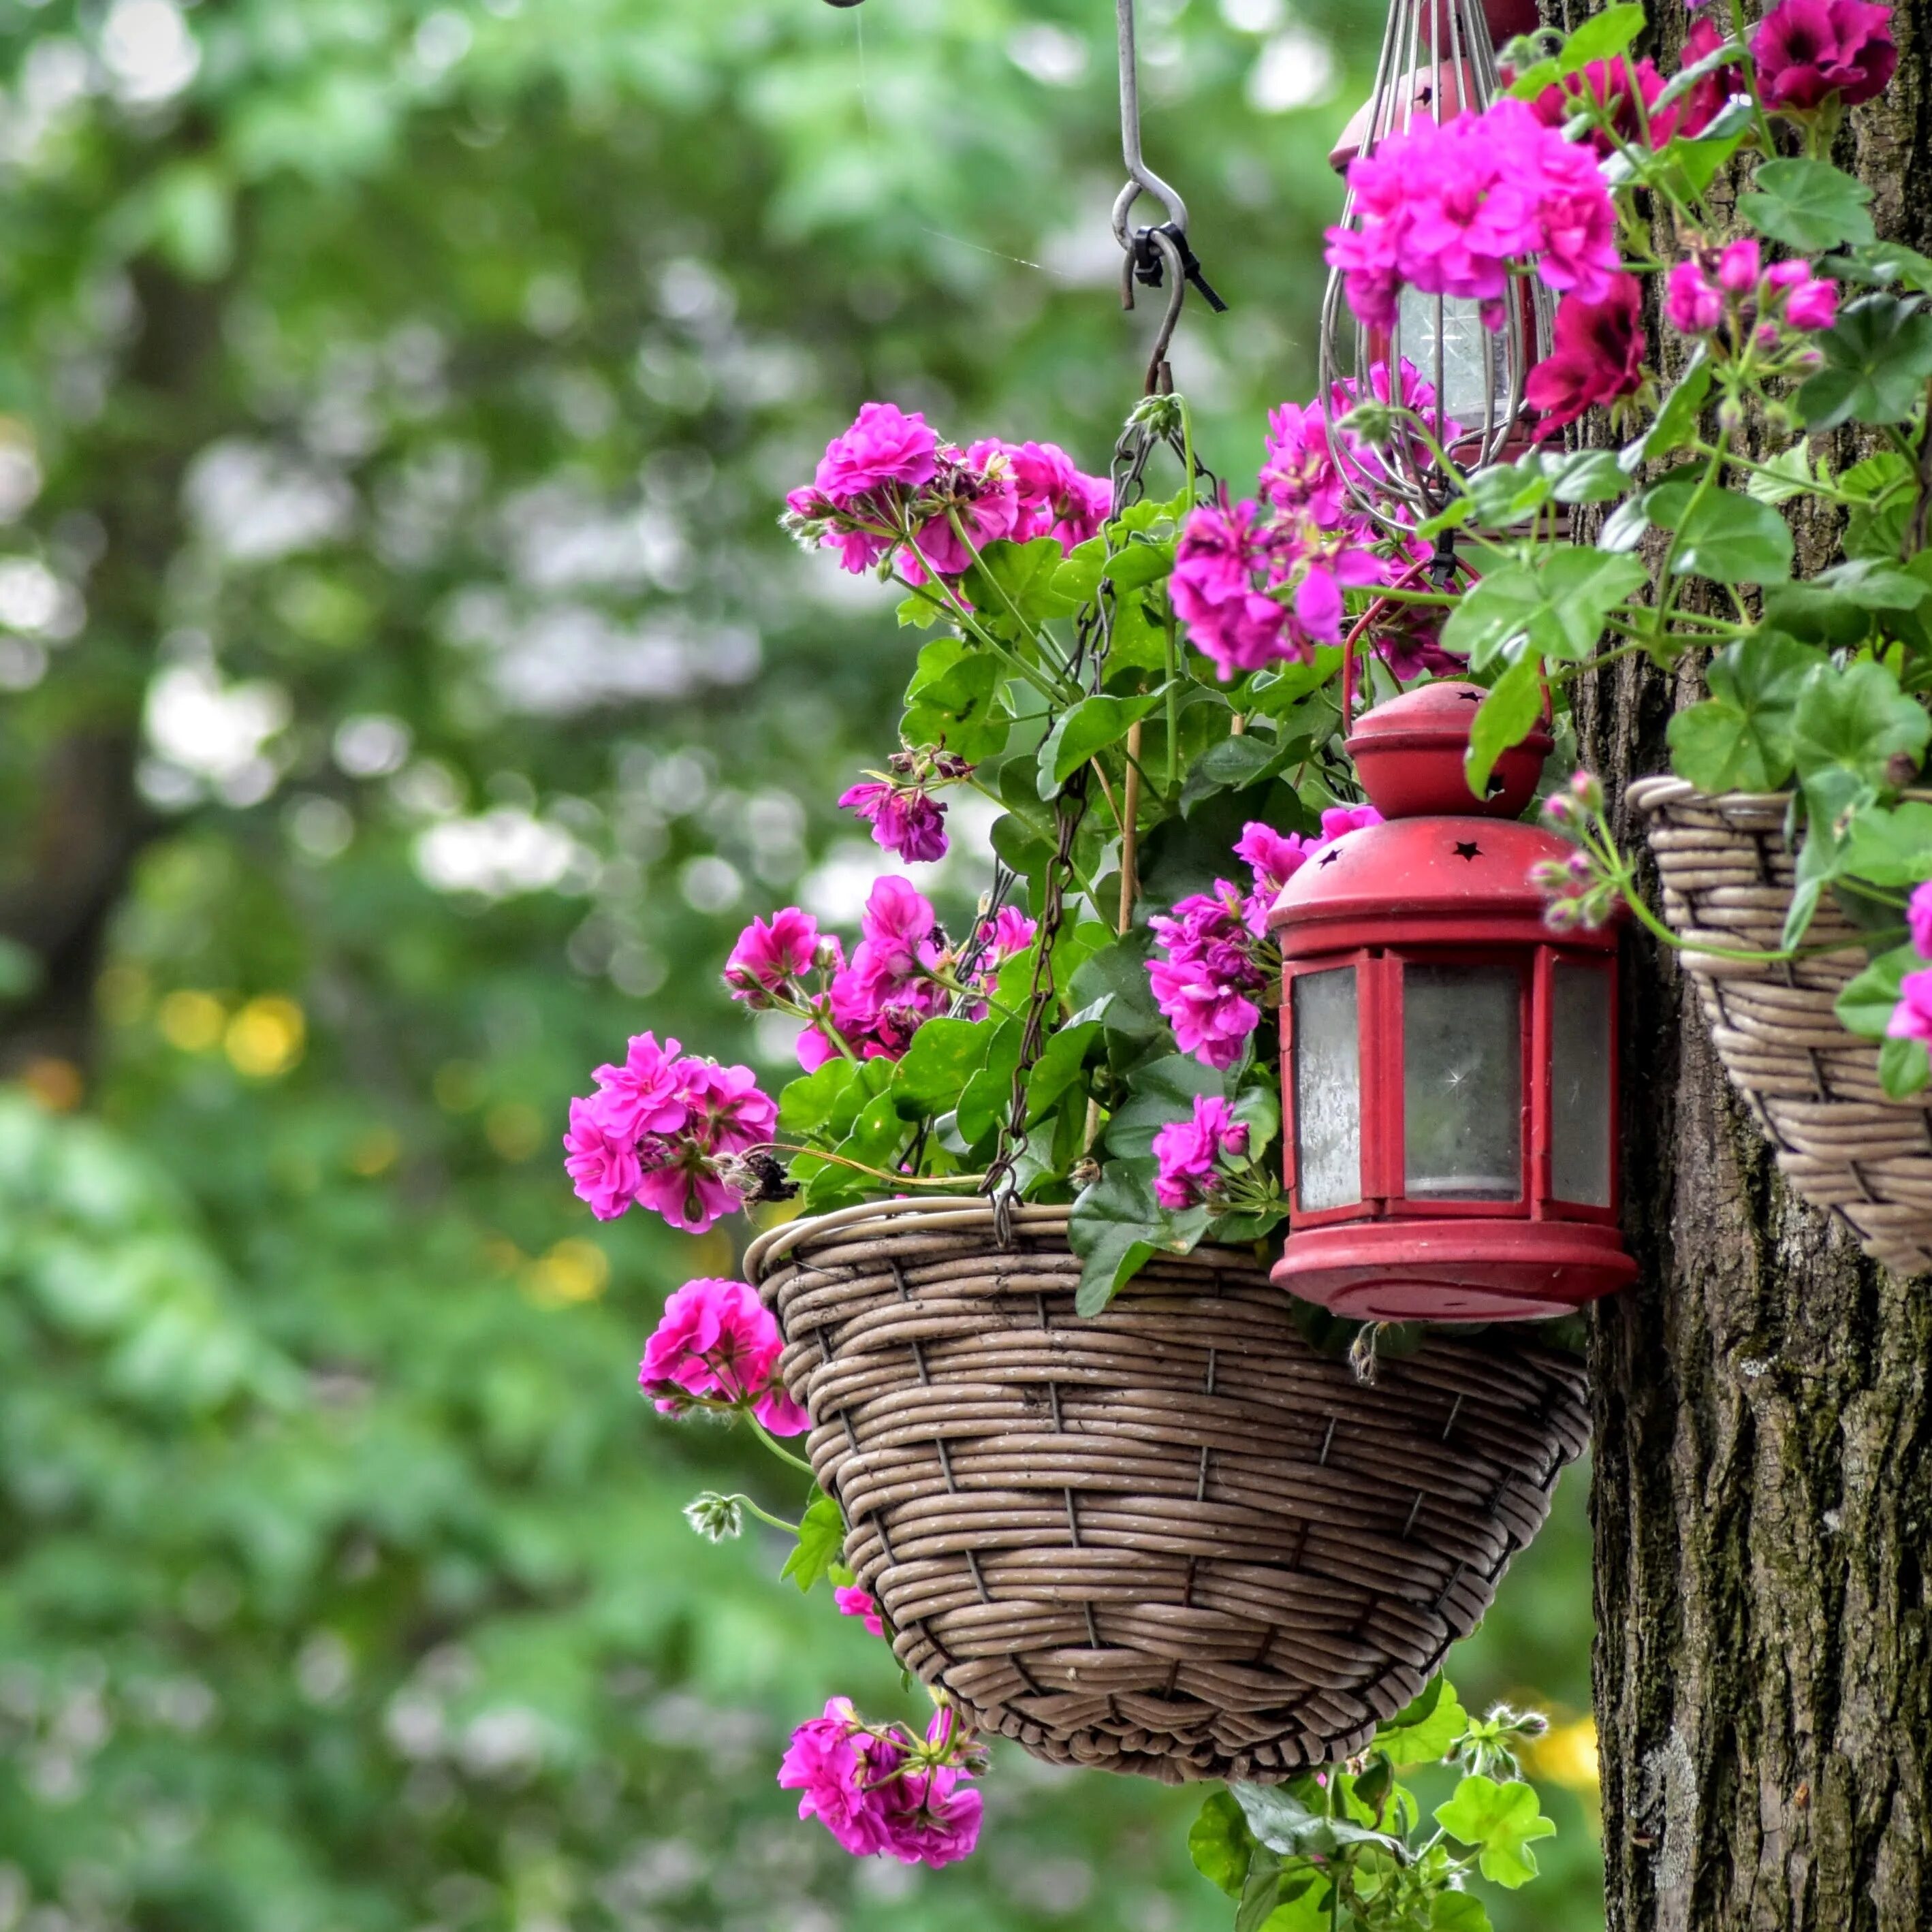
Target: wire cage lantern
[1438,61]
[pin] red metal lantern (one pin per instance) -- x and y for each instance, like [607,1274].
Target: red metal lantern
[1448,1062]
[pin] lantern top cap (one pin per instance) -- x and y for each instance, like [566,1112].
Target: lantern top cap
[1409,754]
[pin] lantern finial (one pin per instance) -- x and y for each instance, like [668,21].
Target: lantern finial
[1410,752]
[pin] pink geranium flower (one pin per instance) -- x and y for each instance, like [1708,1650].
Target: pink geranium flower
[907,820]
[1615,85]
[1203,986]
[1693,303]
[876,1791]
[770,955]
[854,1602]
[645,1095]
[1808,50]
[884,445]
[1056,499]
[1188,1152]
[603,1166]
[1918,919]
[1912,1018]
[718,1342]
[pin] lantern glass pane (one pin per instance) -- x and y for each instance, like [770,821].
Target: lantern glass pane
[1579,1083]
[1462,1049]
[1327,1089]
[1473,365]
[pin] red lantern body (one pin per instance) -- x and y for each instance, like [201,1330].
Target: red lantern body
[1448,1070]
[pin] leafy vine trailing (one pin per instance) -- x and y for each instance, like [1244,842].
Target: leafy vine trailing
[1145,686]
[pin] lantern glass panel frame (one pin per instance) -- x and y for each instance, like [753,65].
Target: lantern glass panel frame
[1383,1124]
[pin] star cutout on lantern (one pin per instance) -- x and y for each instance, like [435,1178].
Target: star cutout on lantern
[1329,858]
[1467,848]
[1472,696]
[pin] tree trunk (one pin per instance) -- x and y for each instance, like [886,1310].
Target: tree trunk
[1763,1493]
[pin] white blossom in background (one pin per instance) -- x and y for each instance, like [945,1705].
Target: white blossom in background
[502,852]
[20,473]
[211,733]
[148,51]
[371,745]
[1294,69]
[35,602]
[253,503]
[1049,54]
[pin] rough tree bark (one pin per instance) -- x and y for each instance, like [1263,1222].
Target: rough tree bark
[1763,1494]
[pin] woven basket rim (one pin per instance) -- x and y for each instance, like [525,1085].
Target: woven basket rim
[935,1212]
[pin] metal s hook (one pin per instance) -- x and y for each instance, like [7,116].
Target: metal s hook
[1169,268]
[1140,178]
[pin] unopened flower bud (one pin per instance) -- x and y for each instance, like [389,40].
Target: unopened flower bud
[827,956]
[1730,415]
[1560,915]
[1587,789]
[715,1518]
[1549,875]
[1558,810]
[1580,868]
[1900,769]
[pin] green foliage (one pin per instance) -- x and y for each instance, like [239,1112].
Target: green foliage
[1877,356]
[1808,205]
[1740,739]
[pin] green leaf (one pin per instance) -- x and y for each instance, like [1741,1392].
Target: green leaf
[1556,609]
[1807,205]
[1158,1095]
[1600,38]
[1506,717]
[1012,576]
[1740,738]
[1721,535]
[1088,726]
[1424,1728]
[1891,846]
[1504,1820]
[988,1095]
[1835,607]
[1676,421]
[944,1055]
[1221,1845]
[1457,1912]
[1235,764]
[1789,473]
[1857,720]
[821,1540]
[1117,972]
[957,699]
[1883,489]
[1293,1820]
[1062,1058]
[1703,155]
[1877,356]
[1506,493]
[1117,1226]
[805,1105]
[1904,1068]
[1588,476]
[1865,1005]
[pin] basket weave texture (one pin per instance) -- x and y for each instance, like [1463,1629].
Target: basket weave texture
[1174,1539]
[1728,873]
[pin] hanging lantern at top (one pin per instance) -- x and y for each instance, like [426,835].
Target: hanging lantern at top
[1437,63]
[1449,1063]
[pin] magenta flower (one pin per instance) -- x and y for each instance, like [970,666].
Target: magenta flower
[1202,987]
[1810,302]
[876,1791]
[728,1114]
[1223,565]
[854,1602]
[770,955]
[1615,85]
[1912,1018]
[1008,932]
[888,992]
[1808,50]
[1338,820]
[907,820]
[1918,919]
[1055,499]
[603,1166]
[1446,208]
[884,445]
[718,1342]
[1598,356]
[646,1094]
[1694,305]
[1187,1153]
[980,504]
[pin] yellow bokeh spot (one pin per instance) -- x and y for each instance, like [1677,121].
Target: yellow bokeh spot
[266,1037]
[1566,1755]
[123,992]
[192,1021]
[457,1086]
[56,1084]
[374,1152]
[572,1271]
[714,1254]
[515,1131]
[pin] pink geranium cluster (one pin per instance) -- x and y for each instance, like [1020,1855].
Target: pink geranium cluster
[902,972]
[1912,1018]
[666,1131]
[1731,289]
[854,1602]
[877,1789]
[1597,356]
[1216,960]
[1188,1154]
[905,816]
[887,488]
[1808,51]
[718,1347]
[1446,208]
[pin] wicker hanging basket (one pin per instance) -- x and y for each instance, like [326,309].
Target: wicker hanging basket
[1728,872]
[1174,1540]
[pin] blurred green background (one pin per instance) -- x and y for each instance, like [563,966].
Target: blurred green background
[405,693]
